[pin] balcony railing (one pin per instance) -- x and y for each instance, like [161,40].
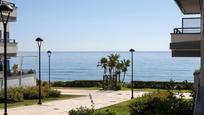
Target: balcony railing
[8,41]
[189,26]
[187,30]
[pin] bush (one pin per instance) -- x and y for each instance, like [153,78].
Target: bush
[81,111]
[30,71]
[161,103]
[185,85]
[33,92]
[30,93]
[53,93]
[106,112]
[119,87]
[78,83]
[13,95]
[86,111]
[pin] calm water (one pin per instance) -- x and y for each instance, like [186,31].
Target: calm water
[157,66]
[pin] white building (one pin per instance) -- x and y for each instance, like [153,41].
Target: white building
[22,78]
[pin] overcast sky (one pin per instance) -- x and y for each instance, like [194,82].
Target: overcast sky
[95,25]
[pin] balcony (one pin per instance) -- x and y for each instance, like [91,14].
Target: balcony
[189,6]
[11,47]
[185,41]
[13,15]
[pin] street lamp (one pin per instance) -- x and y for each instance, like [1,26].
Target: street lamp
[5,11]
[132,85]
[39,42]
[49,55]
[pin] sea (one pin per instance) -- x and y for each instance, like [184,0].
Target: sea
[81,65]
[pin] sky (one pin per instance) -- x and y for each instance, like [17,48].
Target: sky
[95,25]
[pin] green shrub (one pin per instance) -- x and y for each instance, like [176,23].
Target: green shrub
[106,112]
[81,111]
[162,85]
[30,93]
[119,87]
[33,92]
[78,83]
[161,103]
[30,71]
[53,93]
[13,95]
[27,93]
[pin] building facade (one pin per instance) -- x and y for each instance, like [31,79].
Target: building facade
[188,41]
[16,76]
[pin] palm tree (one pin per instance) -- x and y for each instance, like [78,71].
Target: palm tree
[103,63]
[125,65]
[112,61]
[119,67]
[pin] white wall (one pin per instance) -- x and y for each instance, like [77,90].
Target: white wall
[27,80]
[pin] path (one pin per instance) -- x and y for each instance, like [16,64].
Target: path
[61,107]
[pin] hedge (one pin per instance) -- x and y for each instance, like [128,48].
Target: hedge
[27,93]
[163,85]
[185,85]
[78,83]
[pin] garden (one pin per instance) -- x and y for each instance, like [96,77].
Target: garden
[156,103]
[30,95]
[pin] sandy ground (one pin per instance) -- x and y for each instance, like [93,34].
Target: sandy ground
[61,107]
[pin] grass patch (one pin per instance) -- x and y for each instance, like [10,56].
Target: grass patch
[121,108]
[35,101]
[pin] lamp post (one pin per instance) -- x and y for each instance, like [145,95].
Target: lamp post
[132,86]
[39,42]
[49,55]
[5,11]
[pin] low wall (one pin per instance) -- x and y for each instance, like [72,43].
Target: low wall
[14,81]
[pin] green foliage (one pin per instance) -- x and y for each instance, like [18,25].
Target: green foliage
[119,87]
[106,112]
[78,83]
[13,95]
[86,111]
[30,93]
[27,93]
[113,67]
[81,111]
[162,85]
[161,103]
[54,93]
[30,71]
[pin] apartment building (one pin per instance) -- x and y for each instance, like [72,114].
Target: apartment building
[19,77]
[188,41]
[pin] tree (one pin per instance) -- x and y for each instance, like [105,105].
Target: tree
[125,65]
[113,67]
[104,63]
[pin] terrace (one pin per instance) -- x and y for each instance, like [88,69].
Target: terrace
[185,40]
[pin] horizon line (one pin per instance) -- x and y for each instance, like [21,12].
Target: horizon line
[94,51]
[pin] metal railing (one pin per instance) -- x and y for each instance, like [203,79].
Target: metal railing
[190,25]
[8,41]
[186,30]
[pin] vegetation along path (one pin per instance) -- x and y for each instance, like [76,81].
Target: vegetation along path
[61,107]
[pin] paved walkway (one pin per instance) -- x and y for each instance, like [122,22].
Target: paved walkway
[61,107]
